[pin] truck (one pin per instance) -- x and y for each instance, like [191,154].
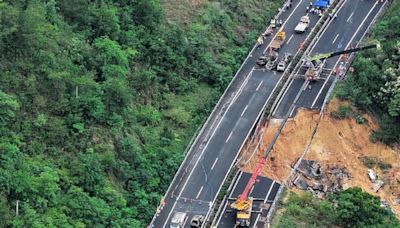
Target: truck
[178,220]
[278,41]
[302,25]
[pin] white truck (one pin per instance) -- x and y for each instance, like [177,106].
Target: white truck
[179,220]
[302,25]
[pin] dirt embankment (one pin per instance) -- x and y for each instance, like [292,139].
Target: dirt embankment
[336,142]
[288,148]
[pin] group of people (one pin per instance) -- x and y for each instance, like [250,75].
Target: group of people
[319,11]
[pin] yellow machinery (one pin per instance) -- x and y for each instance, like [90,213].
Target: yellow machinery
[279,40]
[243,203]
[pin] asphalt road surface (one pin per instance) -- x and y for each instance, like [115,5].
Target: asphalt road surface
[263,192]
[203,172]
[346,30]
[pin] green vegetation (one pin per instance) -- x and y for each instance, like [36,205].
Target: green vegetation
[375,162]
[375,84]
[98,100]
[349,208]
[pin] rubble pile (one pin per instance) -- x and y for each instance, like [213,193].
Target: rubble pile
[312,177]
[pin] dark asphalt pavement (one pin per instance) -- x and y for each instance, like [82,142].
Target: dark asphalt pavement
[264,193]
[208,162]
[345,30]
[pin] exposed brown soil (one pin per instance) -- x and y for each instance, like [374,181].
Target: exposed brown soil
[336,142]
[288,148]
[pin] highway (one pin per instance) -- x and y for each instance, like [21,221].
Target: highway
[263,193]
[347,29]
[208,162]
[359,14]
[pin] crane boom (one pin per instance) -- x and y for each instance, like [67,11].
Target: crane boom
[253,178]
[321,57]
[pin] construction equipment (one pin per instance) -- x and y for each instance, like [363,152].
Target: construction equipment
[316,63]
[243,204]
[278,41]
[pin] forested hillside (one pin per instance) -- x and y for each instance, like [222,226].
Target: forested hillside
[98,100]
[350,208]
[375,84]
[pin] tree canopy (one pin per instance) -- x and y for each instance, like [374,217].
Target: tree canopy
[98,100]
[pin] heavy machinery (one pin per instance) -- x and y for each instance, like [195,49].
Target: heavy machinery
[278,41]
[243,204]
[315,64]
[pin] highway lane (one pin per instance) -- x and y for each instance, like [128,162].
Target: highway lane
[264,193]
[351,23]
[196,186]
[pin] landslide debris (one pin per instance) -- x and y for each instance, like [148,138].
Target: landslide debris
[341,151]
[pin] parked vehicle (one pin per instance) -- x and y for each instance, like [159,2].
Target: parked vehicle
[178,220]
[284,62]
[197,221]
[302,25]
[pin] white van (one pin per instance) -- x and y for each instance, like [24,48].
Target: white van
[178,220]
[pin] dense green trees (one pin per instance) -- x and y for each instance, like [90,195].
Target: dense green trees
[350,208]
[375,83]
[98,100]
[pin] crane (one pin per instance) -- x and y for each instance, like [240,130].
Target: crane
[244,203]
[315,63]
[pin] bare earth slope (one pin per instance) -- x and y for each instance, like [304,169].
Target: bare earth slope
[342,142]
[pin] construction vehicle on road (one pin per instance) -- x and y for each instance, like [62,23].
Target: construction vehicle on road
[302,25]
[278,41]
[316,63]
[243,204]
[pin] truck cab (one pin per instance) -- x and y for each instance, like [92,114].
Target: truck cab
[302,25]
[179,219]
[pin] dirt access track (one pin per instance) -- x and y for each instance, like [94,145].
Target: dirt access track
[336,142]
